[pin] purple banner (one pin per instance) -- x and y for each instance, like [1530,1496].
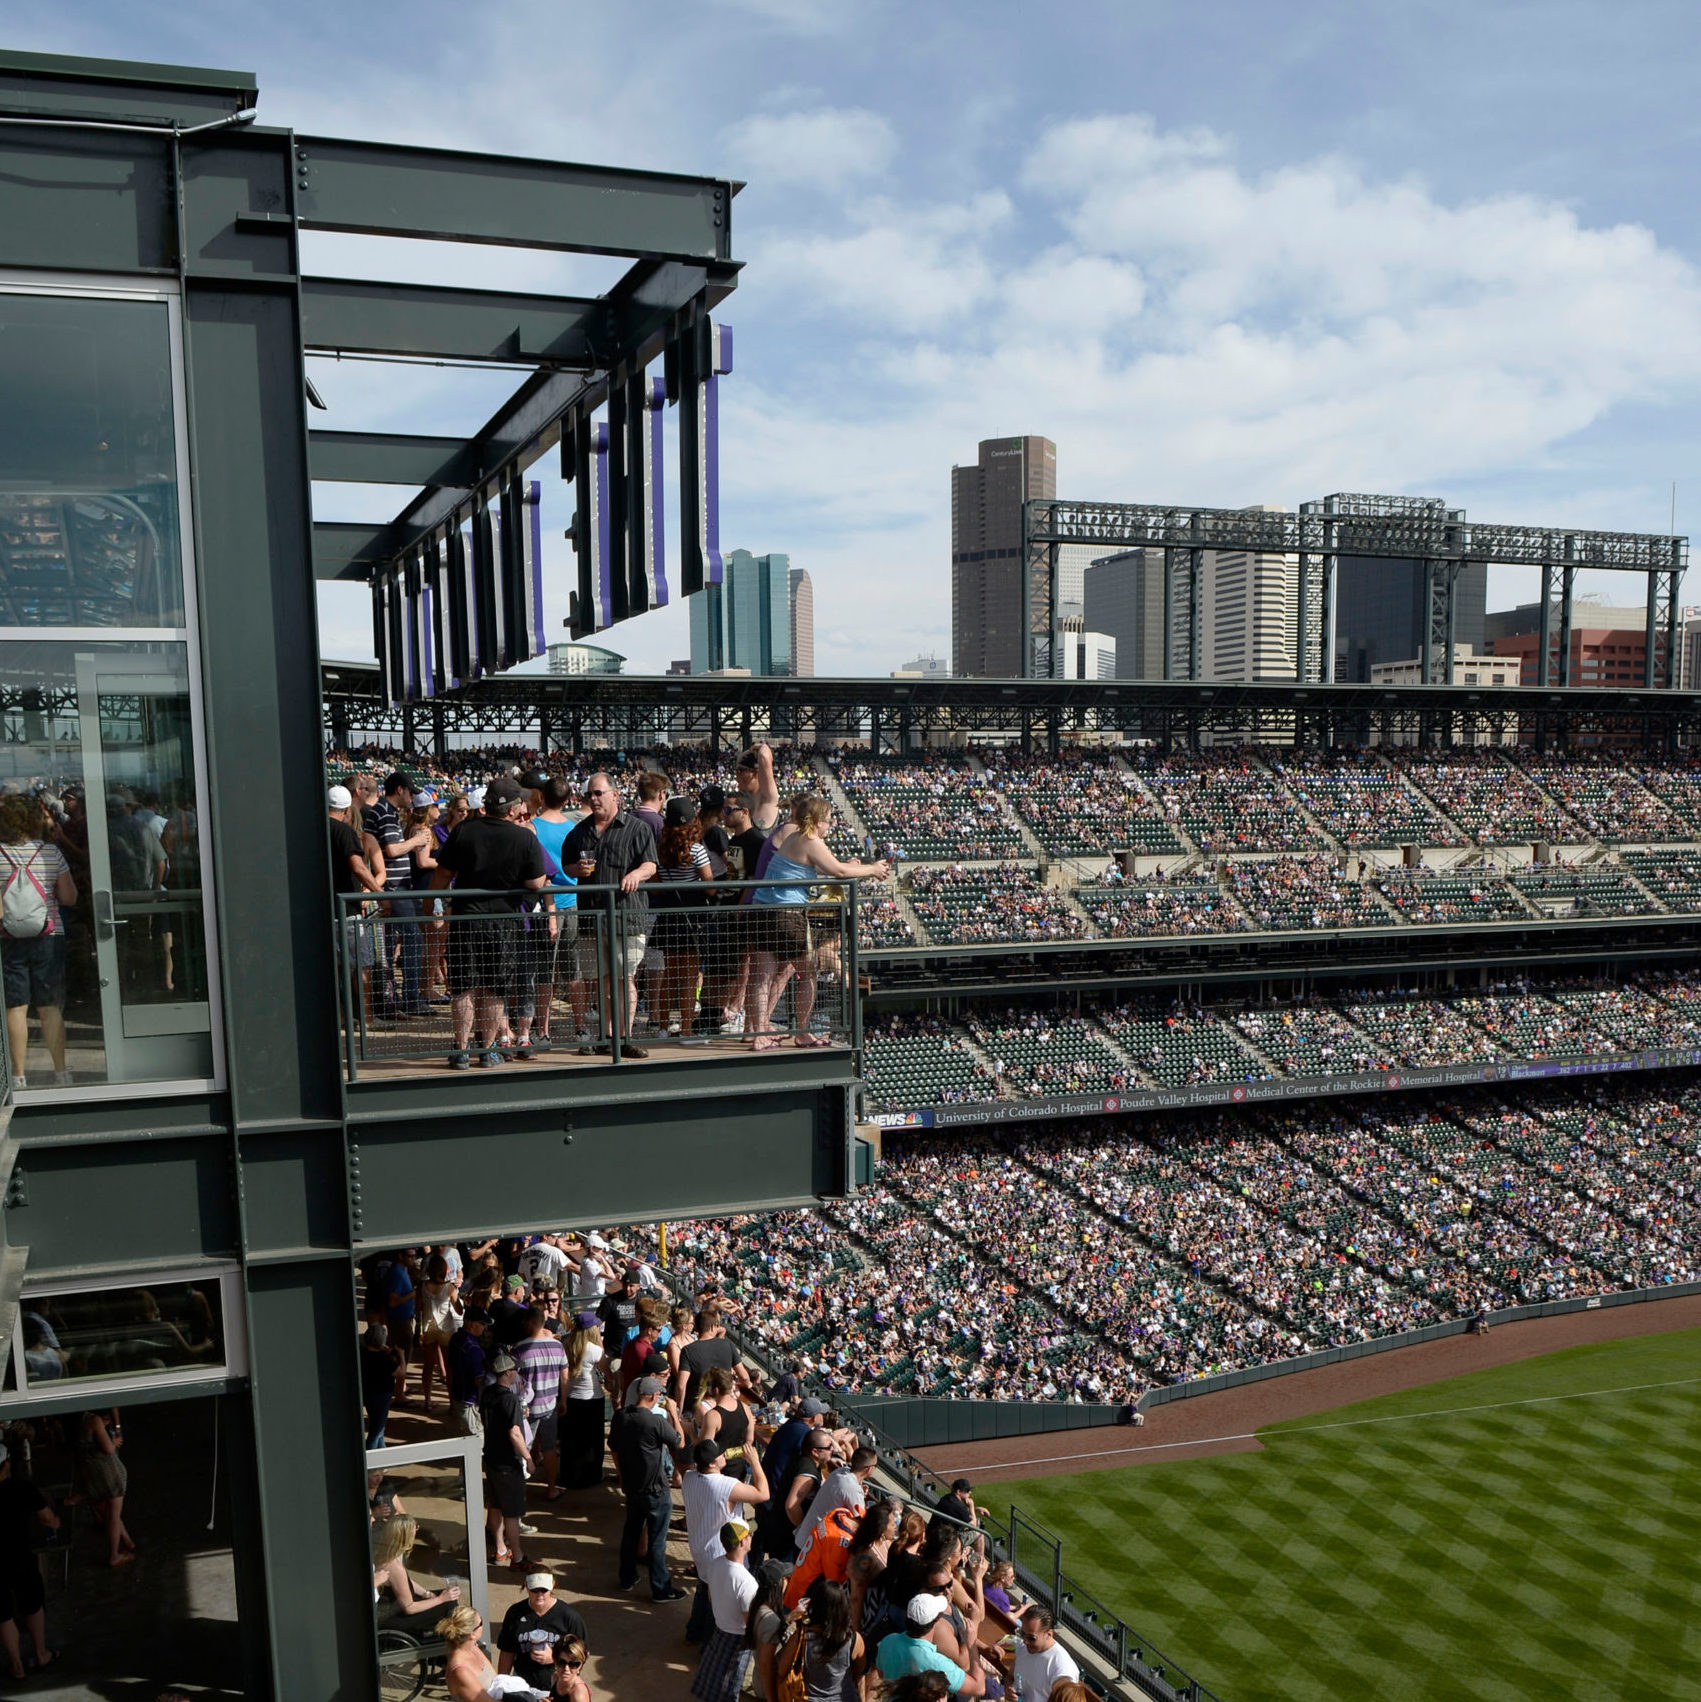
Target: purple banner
[599,524]
[709,469]
[654,565]
[536,642]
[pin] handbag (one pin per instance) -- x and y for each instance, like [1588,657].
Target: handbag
[789,1668]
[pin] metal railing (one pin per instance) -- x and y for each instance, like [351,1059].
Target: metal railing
[475,976]
[1139,1666]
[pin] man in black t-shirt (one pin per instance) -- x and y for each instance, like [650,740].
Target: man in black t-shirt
[647,1444]
[24,1512]
[619,1313]
[506,1457]
[711,1348]
[484,957]
[533,1630]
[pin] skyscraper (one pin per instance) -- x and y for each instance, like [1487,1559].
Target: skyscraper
[746,620]
[1250,613]
[988,622]
[1379,612]
[802,624]
[1122,596]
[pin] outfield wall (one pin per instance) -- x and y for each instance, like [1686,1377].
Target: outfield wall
[1282,1088]
[1406,1338]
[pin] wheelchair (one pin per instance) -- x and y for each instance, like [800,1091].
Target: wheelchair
[407,1663]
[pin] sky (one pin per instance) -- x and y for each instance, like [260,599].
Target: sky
[1221,253]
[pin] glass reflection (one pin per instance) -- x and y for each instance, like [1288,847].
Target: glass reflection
[89,528]
[122,1332]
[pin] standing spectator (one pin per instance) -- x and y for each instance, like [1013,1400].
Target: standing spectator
[23,1599]
[384,821]
[789,1503]
[544,1261]
[745,846]
[465,1359]
[731,1592]
[614,848]
[651,807]
[710,1496]
[647,1443]
[635,1356]
[682,862]
[619,1312]
[37,881]
[489,853]
[581,1420]
[711,1348]
[1041,1661]
[380,1365]
[551,823]
[401,1311]
[535,1631]
[846,1486]
[760,791]
[719,943]
[439,1318]
[507,1458]
[831,1650]
[351,872]
[542,1362]
[103,1480]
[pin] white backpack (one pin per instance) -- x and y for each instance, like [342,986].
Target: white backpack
[25,913]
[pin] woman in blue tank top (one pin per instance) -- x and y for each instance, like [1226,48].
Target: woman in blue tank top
[797,858]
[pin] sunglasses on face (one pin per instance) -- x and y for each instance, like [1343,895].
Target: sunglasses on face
[598,792]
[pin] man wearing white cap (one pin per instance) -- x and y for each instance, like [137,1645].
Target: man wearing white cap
[914,1650]
[533,1629]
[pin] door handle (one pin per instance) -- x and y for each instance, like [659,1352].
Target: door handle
[106,924]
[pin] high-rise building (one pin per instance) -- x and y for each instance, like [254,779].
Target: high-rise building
[745,621]
[1249,612]
[988,622]
[1380,614]
[928,667]
[1122,596]
[802,624]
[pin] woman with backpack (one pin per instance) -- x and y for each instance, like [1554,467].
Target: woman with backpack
[35,881]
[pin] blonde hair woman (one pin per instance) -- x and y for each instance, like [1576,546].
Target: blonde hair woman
[798,856]
[467,1672]
[392,1543]
[581,1432]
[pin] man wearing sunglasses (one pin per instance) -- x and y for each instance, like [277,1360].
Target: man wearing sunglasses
[534,1631]
[1040,1659]
[611,847]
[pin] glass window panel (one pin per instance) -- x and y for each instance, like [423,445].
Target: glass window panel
[122,1332]
[97,769]
[89,524]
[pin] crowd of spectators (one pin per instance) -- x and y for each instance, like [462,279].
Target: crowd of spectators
[930,809]
[1290,893]
[1363,803]
[1192,904]
[1081,803]
[1227,801]
[1486,796]
[961,905]
[1609,801]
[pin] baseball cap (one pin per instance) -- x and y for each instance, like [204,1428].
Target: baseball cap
[501,1365]
[924,1609]
[586,1320]
[706,1452]
[501,791]
[540,1581]
[733,1532]
[515,1281]
[424,799]
[678,812]
[534,779]
[596,1241]
[711,798]
[475,1315]
[648,1386]
[812,1409]
[339,797]
[398,778]
[962,1487]
[475,798]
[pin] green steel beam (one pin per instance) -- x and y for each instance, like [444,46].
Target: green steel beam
[348,550]
[117,91]
[377,189]
[387,458]
[348,316]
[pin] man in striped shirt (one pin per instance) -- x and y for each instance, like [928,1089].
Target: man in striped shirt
[542,1361]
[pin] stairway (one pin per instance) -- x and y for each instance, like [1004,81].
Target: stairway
[1189,843]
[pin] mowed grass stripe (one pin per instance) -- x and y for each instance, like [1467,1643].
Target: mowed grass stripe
[1507,1553]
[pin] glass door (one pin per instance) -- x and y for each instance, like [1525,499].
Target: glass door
[144,852]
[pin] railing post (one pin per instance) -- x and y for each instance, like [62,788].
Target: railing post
[1012,1555]
[615,1014]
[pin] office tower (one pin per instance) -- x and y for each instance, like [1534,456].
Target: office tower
[802,624]
[1083,655]
[988,622]
[1379,612]
[745,621]
[584,659]
[1122,596]
[928,667]
[1249,613]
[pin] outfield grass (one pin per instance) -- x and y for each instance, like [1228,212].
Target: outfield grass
[1513,1554]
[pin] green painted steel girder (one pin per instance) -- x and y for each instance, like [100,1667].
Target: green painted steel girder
[389,458]
[353,317]
[347,550]
[381,190]
[118,91]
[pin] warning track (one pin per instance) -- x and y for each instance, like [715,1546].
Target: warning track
[1227,1422]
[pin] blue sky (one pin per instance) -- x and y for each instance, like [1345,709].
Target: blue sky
[1221,253]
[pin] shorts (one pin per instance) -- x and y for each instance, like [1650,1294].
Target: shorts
[359,944]
[546,1439]
[725,941]
[676,932]
[505,1491]
[21,1589]
[33,970]
[483,955]
[782,930]
[590,956]
[404,1334]
[469,1421]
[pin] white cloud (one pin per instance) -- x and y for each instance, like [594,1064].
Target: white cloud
[825,149]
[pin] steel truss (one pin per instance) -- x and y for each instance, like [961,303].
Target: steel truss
[1392,528]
